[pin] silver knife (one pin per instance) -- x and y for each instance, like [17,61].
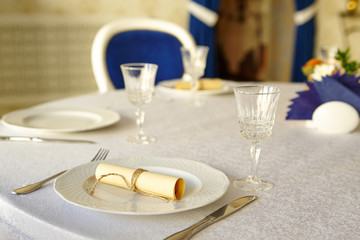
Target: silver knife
[41,139]
[213,217]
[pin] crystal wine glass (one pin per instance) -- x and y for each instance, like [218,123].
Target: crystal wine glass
[328,54]
[139,81]
[256,107]
[194,62]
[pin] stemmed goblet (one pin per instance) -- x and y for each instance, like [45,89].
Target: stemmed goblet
[139,81]
[194,63]
[256,107]
[328,54]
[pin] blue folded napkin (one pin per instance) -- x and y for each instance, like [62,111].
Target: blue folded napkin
[338,87]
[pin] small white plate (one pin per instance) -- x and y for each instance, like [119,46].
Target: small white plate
[203,185]
[61,119]
[168,88]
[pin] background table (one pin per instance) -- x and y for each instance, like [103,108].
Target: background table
[316,176]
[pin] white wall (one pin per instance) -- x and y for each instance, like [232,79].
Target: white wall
[45,44]
[174,11]
[331,27]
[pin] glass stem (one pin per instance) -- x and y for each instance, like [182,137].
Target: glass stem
[255,154]
[194,89]
[140,116]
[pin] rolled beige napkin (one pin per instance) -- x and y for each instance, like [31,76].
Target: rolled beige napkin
[204,84]
[142,181]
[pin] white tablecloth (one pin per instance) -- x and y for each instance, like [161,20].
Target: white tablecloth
[316,176]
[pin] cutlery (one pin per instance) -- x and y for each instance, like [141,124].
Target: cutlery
[213,217]
[100,155]
[41,139]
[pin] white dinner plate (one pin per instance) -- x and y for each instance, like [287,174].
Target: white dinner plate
[61,119]
[168,88]
[203,185]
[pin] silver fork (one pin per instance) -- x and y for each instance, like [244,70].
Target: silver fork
[100,155]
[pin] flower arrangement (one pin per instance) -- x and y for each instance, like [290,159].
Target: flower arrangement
[336,79]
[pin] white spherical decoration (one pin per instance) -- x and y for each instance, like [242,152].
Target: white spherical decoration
[336,117]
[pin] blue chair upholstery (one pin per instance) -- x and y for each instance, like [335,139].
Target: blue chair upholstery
[144,46]
[138,40]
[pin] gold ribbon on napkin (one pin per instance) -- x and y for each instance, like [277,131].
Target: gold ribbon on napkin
[204,84]
[142,181]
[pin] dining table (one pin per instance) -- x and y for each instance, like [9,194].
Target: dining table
[316,176]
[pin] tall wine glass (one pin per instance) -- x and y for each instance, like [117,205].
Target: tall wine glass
[139,84]
[194,63]
[256,107]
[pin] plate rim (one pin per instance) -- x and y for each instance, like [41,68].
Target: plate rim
[225,184]
[112,117]
[160,86]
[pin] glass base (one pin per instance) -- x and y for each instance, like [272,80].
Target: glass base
[252,184]
[141,139]
[196,102]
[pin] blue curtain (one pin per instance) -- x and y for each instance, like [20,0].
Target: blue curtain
[204,35]
[304,42]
